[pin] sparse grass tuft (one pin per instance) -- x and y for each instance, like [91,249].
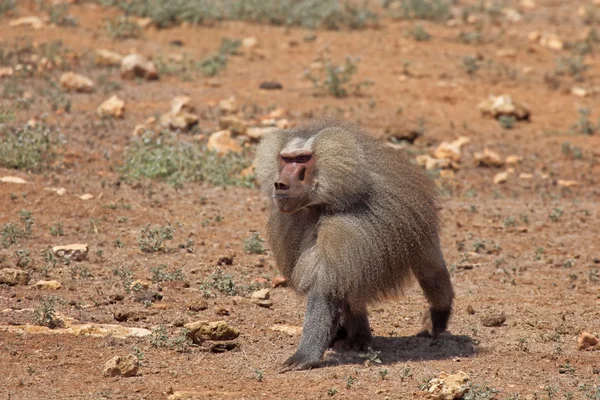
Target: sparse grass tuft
[434,10]
[6,6]
[419,33]
[45,314]
[152,239]
[213,64]
[58,14]
[27,148]
[507,121]
[328,14]
[159,274]
[570,66]
[254,244]
[583,126]
[122,28]
[169,159]
[221,282]
[336,79]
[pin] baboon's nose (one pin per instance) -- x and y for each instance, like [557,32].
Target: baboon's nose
[281,186]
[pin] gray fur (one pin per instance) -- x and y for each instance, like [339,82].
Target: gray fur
[371,222]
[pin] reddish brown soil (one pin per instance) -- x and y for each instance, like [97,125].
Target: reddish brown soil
[547,301]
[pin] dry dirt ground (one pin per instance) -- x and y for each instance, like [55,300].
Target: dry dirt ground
[527,248]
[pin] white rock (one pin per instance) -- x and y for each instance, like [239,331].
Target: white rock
[263,294]
[288,329]
[249,43]
[13,276]
[75,251]
[449,387]
[222,143]
[13,179]
[72,82]
[32,22]
[450,150]
[257,133]
[121,366]
[48,285]
[86,196]
[136,65]
[6,71]
[488,158]
[228,105]
[501,177]
[497,106]
[113,107]
[108,58]
[59,191]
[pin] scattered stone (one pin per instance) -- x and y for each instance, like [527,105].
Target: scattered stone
[527,4]
[525,176]
[567,183]
[503,105]
[136,65]
[121,366]
[143,22]
[270,85]
[72,82]
[506,53]
[249,43]
[234,124]
[450,150]
[182,120]
[223,347]
[181,103]
[288,329]
[470,310]
[199,305]
[430,163]
[228,105]
[513,160]
[59,191]
[399,132]
[200,331]
[579,91]
[75,252]
[494,319]
[86,196]
[13,179]
[213,83]
[147,296]
[13,277]
[6,71]
[551,41]
[108,58]
[586,340]
[257,133]
[33,22]
[263,294]
[279,281]
[221,311]
[113,107]
[95,330]
[488,159]
[264,303]
[501,177]
[512,15]
[449,387]
[48,285]
[222,143]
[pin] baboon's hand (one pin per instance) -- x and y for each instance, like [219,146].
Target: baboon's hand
[299,362]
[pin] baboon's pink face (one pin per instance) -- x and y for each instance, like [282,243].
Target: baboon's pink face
[296,180]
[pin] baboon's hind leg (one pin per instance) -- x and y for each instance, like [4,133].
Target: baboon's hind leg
[354,332]
[434,278]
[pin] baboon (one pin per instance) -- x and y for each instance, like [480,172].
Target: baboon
[351,220]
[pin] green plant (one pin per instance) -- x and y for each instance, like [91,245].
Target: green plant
[258,375]
[570,151]
[11,234]
[221,282]
[159,274]
[152,239]
[23,258]
[435,10]
[350,381]
[480,392]
[45,314]
[159,337]
[406,372]
[470,64]
[328,14]
[168,159]
[254,244]
[332,392]
[539,253]
[583,125]
[555,214]
[419,33]
[126,277]
[6,6]
[57,229]
[213,64]
[507,121]
[383,373]
[336,79]
[122,28]
[59,15]
[473,37]
[571,66]
[27,148]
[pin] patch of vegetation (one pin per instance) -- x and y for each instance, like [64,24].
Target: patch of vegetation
[160,338]
[126,277]
[160,274]
[328,14]
[122,28]
[168,159]
[221,282]
[434,10]
[254,244]
[555,214]
[473,37]
[507,121]
[570,66]
[80,271]
[45,314]
[152,239]
[336,79]
[419,33]
[11,233]
[58,14]
[574,152]
[6,6]
[481,392]
[23,258]
[583,126]
[57,229]
[28,148]
[213,64]
[470,64]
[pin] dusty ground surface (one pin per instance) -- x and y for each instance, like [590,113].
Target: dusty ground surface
[527,248]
